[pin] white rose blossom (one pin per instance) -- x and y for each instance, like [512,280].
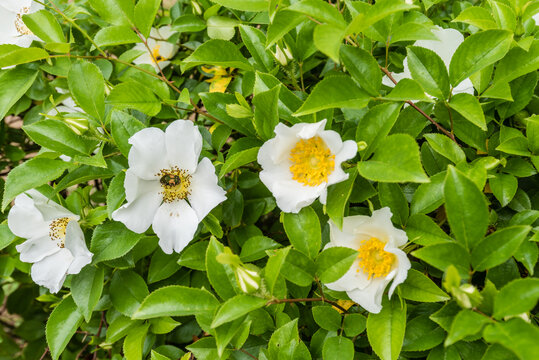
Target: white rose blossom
[166,186]
[301,161]
[380,259]
[445,47]
[162,50]
[12,29]
[55,242]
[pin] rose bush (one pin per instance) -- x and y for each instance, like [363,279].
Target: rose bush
[269,179]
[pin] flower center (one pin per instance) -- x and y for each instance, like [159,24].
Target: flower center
[21,27]
[176,184]
[156,56]
[312,161]
[57,230]
[374,260]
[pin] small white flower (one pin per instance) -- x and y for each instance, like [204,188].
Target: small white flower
[162,50]
[450,39]
[55,242]
[166,186]
[12,28]
[301,161]
[380,259]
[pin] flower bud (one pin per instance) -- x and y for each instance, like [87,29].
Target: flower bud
[197,10]
[361,145]
[248,278]
[78,125]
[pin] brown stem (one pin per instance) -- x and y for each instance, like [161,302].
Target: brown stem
[44,353]
[438,126]
[248,354]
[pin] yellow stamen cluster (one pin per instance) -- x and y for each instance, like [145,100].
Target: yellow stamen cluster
[156,57]
[312,161]
[21,27]
[57,230]
[176,184]
[373,259]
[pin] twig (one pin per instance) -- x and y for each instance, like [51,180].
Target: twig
[44,353]
[440,127]
[248,354]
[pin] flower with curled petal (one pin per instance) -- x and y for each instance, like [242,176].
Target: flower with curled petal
[379,261]
[166,186]
[301,161]
[55,244]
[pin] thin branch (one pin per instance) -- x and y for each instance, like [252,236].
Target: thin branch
[438,126]
[44,353]
[248,354]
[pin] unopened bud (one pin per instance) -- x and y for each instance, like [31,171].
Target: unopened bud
[197,10]
[248,278]
[78,125]
[361,145]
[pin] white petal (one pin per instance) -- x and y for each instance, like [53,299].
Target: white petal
[370,298]
[345,237]
[14,5]
[143,200]
[166,50]
[307,130]
[205,192]
[52,270]
[276,150]
[25,40]
[175,225]
[147,156]
[48,208]
[75,243]
[36,249]
[465,87]
[536,19]
[164,32]
[353,279]
[25,220]
[450,40]
[348,150]
[403,265]
[7,25]
[184,143]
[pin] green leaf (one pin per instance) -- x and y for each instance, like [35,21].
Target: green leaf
[57,136]
[338,348]
[525,291]
[86,289]
[255,42]
[406,90]
[45,26]
[194,256]
[61,326]
[238,159]
[396,160]
[391,195]
[444,146]
[127,291]
[443,255]
[379,11]
[430,196]
[82,174]
[422,334]
[527,61]
[298,268]
[327,317]
[266,112]
[375,126]
[273,267]
[303,231]
[319,10]
[115,193]
[334,262]
[422,230]
[418,287]
[244,5]
[354,324]
[237,307]
[478,51]
[429,70]
[255,248]
[176,300]
[6,236]
[112,240]
[216,52]
[162,266]
[469,107]
[337,198]
[532,133]
[478,17]
[496,248]
[116,35]
[363,68]
[124,126]
[517,335]
[466,323]
[409,31]
[188,23]
[466,208]
[134,342]
[504,187]
[13,85]
[117,12]
[221,27]
[87,87]
[144,15]
[119,327]
[133,95]
[221,276]
[29,175]
[385,330]
[14,55]
[283,21]
[334,92]
[216,104]
[328,39]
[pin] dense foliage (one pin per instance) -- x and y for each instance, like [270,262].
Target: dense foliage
[265,222]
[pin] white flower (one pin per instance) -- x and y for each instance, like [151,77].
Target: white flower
[166,186]
[450,39]
[380,259]
[162,50]
[55,242]
[301,161]
[12,28]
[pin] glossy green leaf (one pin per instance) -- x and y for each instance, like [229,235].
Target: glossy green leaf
[338,348]
[133,95]
[442,255]
[466,323]
[45,26]
[237,307]
[385,330]
[303,231]
[216,52]
[112,240]
[87,87]
[221,276]
[334,262]
[429,70]
[525,290]
[115,35]
[14,55]
[86,289]
[504,187]
[418,287]
[468,106]
[363,68]
[61,326]
[13,84]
